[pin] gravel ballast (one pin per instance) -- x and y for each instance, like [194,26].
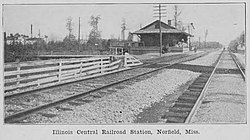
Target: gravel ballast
[224,102]
[207,60]
[123,105]
[241,58]
[49,95]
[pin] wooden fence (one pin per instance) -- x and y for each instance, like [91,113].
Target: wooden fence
[39,74]
[130,61]
[86,52]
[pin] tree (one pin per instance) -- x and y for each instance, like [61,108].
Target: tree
[69,38]
[176,15]
[239,41]
[95,34]
[69,26]
[242,39]
[233,44]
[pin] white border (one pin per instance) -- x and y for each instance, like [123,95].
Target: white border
[37,132]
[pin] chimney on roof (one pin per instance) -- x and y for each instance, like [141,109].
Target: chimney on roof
[169,22]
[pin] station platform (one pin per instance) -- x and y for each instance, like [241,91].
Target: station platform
[157,55]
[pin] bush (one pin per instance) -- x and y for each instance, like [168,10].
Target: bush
[18,52]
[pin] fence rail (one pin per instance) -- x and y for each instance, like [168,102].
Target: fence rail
[38,74]
[89,52]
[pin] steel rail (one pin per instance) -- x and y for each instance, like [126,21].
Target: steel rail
[22,114]
[238,65]
[202,94]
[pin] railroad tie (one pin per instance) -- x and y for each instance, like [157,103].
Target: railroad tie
[188,98]
[180,109]
[175,120]
[183,104]
[200,80]
[192,93]
[197,86]
[205,75]
[195,89]
[176,114]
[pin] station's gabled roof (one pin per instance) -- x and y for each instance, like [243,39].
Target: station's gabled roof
[154,28]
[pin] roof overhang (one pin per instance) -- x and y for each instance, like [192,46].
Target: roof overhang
[139,32]
[165,29]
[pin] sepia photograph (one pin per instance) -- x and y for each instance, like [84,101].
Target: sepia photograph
[101,64]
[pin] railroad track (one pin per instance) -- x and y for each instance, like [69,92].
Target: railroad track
[239,65]
[185,107]
[35,102]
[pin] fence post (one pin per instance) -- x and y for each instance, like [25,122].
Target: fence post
[125,59]
[81,69]
[60,71]
[101,65]
[18,75]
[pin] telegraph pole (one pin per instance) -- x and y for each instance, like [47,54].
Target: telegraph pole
[123,26]
[39,34]
[31,31]
[199,42]
[176,15]
[206,32]
[5,39]
[79,32]
[160,15]
[189,41]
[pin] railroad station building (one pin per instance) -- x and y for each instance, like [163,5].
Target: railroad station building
[172,38]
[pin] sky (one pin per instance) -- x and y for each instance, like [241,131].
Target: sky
[224,22]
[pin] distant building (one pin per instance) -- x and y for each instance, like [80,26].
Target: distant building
[33,40]
[241,46]
[21,39]
[16,39]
